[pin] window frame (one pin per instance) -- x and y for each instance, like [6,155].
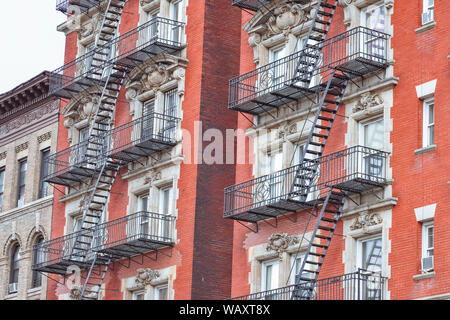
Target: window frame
[135,294]
[43,186]
[275,274]
[36,277]
[158,291]
[426,124]
[425,227]
[14,266]
[2,186]
[293,265]
[359,250]
[20,198]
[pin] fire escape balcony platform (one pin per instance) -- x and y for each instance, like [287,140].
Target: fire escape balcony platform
[355,53]
[157,36]
[359,285]
[74,164]
[354,170]
[141,137]
[82,5]
[134,234]
[56,255]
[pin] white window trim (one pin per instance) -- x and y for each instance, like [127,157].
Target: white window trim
[371,8]
[426,123]
[365,122]
[157,290]
[292,266]
[276,275]
[134,294]
[425,248]
[359,245]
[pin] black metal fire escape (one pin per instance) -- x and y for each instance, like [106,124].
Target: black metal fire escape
[331,93]
[94,202]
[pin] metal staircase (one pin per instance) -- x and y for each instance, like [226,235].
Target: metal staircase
[318,245]
[94,202]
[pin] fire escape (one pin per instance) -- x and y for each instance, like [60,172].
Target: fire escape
[96,161]
[319,72]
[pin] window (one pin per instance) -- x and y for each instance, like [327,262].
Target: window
[43,185]
[176,15]
[427,246]
[428,122]
[142,207]
[274,163]
[276,74]
[165,208]
[170,112]
[36,279]
[161,292]
[152,29]
[148,111]
[138,295]
[428,11]
[21,182]
[77,223]
[2,186]
[373,17]
[372,136]
[270,273]
[14,269]
[369,259]
[296,264]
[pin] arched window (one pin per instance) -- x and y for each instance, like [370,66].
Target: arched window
[14,269]
[36,279]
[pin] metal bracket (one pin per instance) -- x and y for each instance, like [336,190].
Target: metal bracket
[252,230]
[276,223]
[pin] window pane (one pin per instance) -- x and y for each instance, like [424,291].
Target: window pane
[43,186]
[162,293]
[371,255]
[268,277]
[373,135]
[21,182]
[375,19]
[2,186]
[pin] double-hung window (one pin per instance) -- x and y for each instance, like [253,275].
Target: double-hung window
[165,209]
[372,136]
[170,113]
[427,246]
[14,269]
[270,277]
[161,292]
[176,7]
[143,218]
[148,120]
[43,185]
[21,182]
[428,11]
[374,18]
[428,122]
[277,71]
[369,259]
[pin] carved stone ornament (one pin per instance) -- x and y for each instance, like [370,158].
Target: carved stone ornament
[366,220]
[46,136]
[285,18]
[75,293]
[22,147]
[81,106]
[286,130]
[152,176]
[154,77]
[3,155]
[367,101]
[145,277]
[279,242]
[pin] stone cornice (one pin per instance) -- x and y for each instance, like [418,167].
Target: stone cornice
[381,204]
[28,208]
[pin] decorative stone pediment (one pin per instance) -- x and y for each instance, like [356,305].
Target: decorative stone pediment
[287,129]
[279,242]
[366,219]
[154,73]
[81,106]
[368,100]
[152,176]
[285,18]
[145,277]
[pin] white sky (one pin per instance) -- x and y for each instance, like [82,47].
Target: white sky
[29,42]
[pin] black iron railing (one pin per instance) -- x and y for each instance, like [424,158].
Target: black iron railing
[359,50]
[253,5]
[58,253]
[84,155]
[77,6]
[360,285]
[161,32]
[141,226]
[354,169]
[154,129]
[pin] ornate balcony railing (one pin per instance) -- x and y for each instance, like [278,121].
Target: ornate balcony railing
[354,169]
[356,52]
[75,163]
[130,49]
[75,6]
[360,285]
[136,233]
[141,137]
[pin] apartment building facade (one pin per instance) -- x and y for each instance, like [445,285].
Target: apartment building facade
[141,81]
[358,192]
[28,134]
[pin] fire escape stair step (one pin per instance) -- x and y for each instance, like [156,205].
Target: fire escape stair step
[319,245]
[329,220]
[327,5]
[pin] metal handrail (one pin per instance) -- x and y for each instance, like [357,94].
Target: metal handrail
[83,5]
[359,285]
[147,226]
[358,43]
[155,31]
[332,169]
[153,126]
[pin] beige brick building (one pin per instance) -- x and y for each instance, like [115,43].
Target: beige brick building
[28,134]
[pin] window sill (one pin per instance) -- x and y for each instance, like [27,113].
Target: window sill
[425,27]
[423,276]
[11,296]
[425,149]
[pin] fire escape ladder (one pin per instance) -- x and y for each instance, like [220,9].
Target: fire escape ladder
[333,92]
[318,246]
[94,280]
[317,33]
